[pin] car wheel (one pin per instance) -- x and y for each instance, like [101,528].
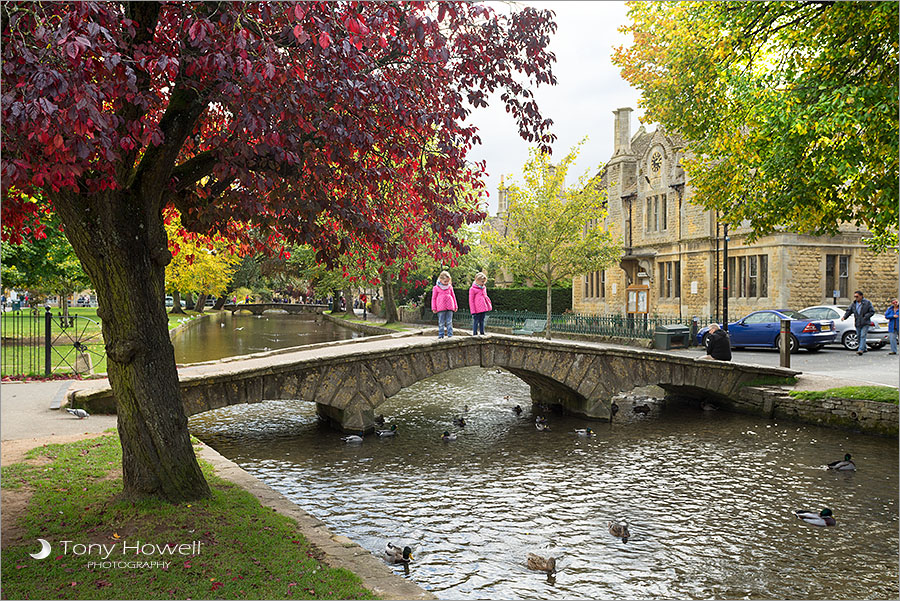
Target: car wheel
[850,340]
[816,348]
[794,344]
[706,342]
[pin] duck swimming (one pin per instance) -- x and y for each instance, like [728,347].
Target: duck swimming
[459,421]
[541,564]
[542,426]
[584,432]
[447,437]
[822,518]
[843,466]
[391,432]
[394,554]
[517,410]
[619,530]
[352,439]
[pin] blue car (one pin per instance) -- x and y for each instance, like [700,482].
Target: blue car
[762,329]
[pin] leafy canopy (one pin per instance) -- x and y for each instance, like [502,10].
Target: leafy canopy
[200,264]
[790,108]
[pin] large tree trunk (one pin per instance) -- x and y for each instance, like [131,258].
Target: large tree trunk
[200,305]
[176,303]
[220,302]
[122,244]
[390,302]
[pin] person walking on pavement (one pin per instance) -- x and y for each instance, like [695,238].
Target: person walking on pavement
[893,316]
[862,311]
[443,302]
[479,303]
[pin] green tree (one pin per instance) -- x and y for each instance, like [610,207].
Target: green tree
[790,108]
[45,265]
[553,231]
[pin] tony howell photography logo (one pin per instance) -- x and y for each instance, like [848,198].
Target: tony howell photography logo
[121,554]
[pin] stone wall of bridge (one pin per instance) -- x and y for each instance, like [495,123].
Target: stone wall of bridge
[353,379]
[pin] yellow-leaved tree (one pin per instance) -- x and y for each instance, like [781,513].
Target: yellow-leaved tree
[554,232]
[201,265]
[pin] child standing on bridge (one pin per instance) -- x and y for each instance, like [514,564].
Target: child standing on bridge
[479,303]
[443,302]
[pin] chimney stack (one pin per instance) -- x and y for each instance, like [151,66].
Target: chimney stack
[622,142]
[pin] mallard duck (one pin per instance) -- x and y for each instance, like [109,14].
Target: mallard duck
[394,554]
[446,436]
[391,432]
[619,530]
[352,439]
[517,410]
[707,406]
[584,432]
[822,518]
[459,421]
[379,419]
[540,419]
[643,409]
[542,427]
[845,465]
[540,564]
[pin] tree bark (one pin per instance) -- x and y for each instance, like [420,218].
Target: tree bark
[549,307]
[122,245]
[220,302]
[390,301]
[176,303]
[200,305]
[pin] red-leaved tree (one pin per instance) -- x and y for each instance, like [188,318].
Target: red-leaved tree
[265,122]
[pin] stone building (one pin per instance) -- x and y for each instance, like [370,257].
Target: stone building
[674,250]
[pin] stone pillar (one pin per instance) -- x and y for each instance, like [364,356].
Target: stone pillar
[352,420]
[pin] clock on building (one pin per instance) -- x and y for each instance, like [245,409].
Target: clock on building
[655,162]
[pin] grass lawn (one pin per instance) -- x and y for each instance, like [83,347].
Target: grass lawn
[884,394]
[245,551]
[399,326]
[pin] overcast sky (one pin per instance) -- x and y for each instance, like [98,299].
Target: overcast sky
[589,88]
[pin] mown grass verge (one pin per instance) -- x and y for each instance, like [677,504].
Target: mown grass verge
[884,394]
[396,325]
[245,550]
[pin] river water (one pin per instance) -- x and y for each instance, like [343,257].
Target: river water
[227,335]
[708,495]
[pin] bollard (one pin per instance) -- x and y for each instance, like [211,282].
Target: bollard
[48,324]
[785,342]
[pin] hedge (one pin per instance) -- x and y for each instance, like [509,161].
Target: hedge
[516,299]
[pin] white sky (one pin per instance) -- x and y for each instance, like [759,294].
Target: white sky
[589,87]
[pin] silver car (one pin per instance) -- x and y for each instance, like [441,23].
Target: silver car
[876,338]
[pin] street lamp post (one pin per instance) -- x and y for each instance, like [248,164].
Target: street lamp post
[725,280]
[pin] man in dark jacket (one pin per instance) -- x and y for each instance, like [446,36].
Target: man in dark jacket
[862,311]
[719,345]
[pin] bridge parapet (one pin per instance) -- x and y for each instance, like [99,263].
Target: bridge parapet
[348,381]
[292,308]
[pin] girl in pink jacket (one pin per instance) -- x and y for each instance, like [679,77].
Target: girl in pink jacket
[479,303]
[443,302]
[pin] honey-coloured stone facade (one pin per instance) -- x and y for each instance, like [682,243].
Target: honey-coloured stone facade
[650,210]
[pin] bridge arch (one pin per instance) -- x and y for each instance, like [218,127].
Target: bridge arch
[348,381]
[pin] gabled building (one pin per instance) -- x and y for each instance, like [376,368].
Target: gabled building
[674,250]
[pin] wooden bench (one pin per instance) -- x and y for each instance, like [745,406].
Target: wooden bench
[532,326]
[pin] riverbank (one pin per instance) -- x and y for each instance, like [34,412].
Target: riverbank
[285,554]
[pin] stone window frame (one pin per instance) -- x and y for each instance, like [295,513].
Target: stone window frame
[656,217]
[595,285]
[670,279]
[843,283]
[743,282]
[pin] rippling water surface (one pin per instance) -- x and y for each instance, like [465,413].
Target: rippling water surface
[708,496]
[227,335]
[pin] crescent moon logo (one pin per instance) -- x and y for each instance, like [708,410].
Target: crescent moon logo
[44,552]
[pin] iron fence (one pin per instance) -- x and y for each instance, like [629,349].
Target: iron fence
[36,342]
[623,326]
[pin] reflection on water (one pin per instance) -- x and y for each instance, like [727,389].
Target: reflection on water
[708,496]
[227,335]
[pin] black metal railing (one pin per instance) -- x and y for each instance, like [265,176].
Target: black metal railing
[37,343]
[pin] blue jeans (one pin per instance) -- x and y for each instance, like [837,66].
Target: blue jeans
[478,323]
[445,322]
[861,334]
[893,338]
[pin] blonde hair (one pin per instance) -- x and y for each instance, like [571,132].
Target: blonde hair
[480,276]
[445,274]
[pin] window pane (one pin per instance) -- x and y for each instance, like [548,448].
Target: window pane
[662,279]
[829,275]
[751,276]
[663,211]
[742,277]
[845,275]
[764,275]
[732,276]
[677,290]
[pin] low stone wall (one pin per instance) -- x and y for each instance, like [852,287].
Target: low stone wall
[871,417]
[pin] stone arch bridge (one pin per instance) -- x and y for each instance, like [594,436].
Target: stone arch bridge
[348,380]
[260,308]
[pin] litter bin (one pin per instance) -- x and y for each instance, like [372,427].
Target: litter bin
[17,305]
[671,336]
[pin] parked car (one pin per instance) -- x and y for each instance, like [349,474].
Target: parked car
[170,302]
[876,338]
[763,329]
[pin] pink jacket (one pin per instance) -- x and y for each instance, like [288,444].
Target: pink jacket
[443,299]
[479,302]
